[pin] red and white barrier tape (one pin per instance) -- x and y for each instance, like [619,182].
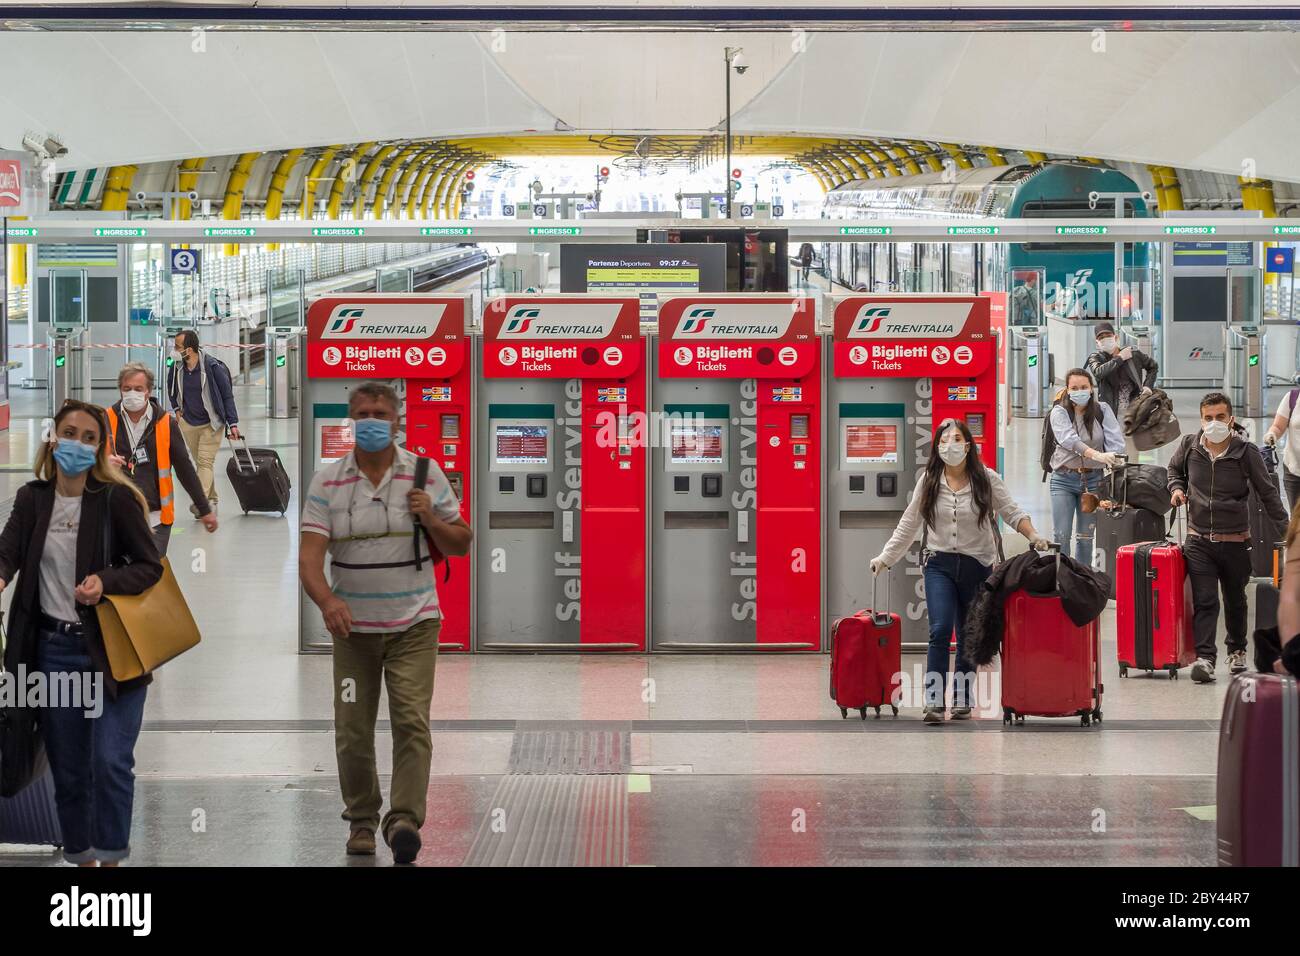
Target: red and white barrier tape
[132,345]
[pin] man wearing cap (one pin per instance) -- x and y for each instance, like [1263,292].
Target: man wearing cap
[1122,374]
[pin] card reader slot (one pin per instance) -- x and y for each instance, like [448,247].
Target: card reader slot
[857,520]
[706,520]
[521,519]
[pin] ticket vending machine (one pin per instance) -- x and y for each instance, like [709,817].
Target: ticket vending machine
[561,520]
[416,343]
[900,364]
[736,474]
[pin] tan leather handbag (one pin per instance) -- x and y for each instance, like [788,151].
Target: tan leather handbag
[144,631]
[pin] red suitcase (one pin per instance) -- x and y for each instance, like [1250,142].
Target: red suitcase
[866,660]
[1258,817]
[1153,611]
[1049,664]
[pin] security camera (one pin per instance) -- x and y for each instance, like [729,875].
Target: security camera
[1092,199]
[740,63]
[140,196]
[193,196]
[54,147]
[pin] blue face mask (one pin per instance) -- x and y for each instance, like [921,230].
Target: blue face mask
[1081,396]
[73,457]
[373,434]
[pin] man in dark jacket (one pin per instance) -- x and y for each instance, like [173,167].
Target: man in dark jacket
[1213,472]
[1122,374]
[199,388]
[146,443]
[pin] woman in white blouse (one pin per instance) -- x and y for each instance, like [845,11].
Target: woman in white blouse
[1287,422]
[957,503]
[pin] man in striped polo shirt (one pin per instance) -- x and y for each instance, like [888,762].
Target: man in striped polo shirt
[382,612]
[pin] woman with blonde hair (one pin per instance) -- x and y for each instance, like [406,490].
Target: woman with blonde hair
[76,533]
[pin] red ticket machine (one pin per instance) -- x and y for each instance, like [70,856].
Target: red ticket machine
[736,476]
[562,524]
[417,344]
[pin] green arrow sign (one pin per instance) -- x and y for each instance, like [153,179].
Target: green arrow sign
[865,230]
[444,230]
[233,232]
[972,230]
[120,231]
[338,231]
[279,361]
[1081,230]
[60,361]
[1277,231]
[1033,360]
[1189,230]
[555,230]
[1254,360]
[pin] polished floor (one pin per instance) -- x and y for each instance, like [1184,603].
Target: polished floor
[639,760]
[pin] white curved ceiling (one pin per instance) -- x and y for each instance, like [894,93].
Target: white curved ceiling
[1189,100]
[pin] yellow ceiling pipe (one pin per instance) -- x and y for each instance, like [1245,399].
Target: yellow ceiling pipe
[1260,193]
[838,169]
[995,155]
[902,158]
[17,260]
[344,173]
[187,178]
[275,188]
[847,157]
[117,188]
[314,176]
[1034,156]
[1090,159]
[958,155]
[379,205]
[1173,198]
[1158,184]
[813,171]
[420,185]
[864,159]
[368,175]
[883,163]
[433,184]
[233,203]
[402,188]
[829,172]
[926,152]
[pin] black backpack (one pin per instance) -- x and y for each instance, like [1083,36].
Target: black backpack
[1049,438]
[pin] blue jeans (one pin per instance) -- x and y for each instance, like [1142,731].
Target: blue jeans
[91,758]
[1067,490]
[951,582]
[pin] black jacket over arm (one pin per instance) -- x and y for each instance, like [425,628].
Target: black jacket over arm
[1111,370]
[135,565]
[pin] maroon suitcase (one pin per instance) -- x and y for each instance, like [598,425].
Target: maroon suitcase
[866,660]
[1258,818]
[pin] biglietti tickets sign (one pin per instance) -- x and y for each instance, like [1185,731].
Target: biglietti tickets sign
[558,336]
[737,336]
[906,336]
[386,336]
[11,184]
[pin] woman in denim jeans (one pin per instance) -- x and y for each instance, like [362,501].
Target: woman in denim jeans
[1088,439]
[54,542]
[958,504]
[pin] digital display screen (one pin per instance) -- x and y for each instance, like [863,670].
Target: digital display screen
[696,445]
[522,444]
[871,444]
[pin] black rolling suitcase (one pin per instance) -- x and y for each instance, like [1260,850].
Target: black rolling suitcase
[1127,523]
[1266,535]
[29,816]
[259,478]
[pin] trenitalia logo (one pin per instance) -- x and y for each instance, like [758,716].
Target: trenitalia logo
[727,320]
[910,320]
[384,320]
[11,185]
[560,320]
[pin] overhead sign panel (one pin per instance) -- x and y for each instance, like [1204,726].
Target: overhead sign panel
[378,336]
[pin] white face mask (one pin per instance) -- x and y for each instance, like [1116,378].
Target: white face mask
[1080,396]
[1217,431]
[176,355]
[134,401]
[952,452]
[1107,345]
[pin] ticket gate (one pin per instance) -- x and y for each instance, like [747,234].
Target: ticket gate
[68,372]
[900,364]
[1244,369]
[1030,372]
[283,372]
[168,328]
[416,343]
[561,520]
[736,474]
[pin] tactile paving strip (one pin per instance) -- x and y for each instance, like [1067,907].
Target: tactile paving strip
[575,752]
[554,820]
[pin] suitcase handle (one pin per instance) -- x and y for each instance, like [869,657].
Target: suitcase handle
[1180,518]
[875,599]
[252,465]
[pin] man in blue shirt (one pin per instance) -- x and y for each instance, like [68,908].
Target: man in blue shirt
[199,388]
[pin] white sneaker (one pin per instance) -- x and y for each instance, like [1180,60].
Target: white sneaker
[1203,671]
[1237,662]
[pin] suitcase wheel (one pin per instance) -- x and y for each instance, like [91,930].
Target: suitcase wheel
[1123,670]
[863,712]
[1020,718]
[1096,715]
[894,708]
[844,712]
[1085,719]
[877,713]
[1006,715]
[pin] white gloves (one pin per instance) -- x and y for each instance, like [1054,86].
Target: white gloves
[1270,439]
[1041,544]
[878,565]
[1108,458]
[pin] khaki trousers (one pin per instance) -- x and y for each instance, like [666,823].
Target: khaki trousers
[203,443]
[404,662]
